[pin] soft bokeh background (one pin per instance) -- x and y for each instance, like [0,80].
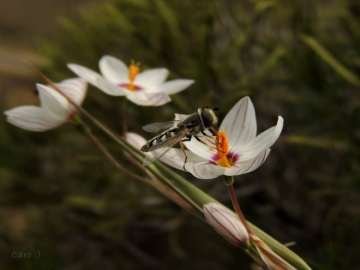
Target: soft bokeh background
[299,59]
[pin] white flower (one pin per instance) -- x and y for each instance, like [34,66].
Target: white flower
[237,149]
[54,109]
[226,224]
[143,88]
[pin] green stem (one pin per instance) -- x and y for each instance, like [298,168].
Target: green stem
[130,149]
[139,157]
[84,129]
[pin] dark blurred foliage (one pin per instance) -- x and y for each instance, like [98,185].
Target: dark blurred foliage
[299,59]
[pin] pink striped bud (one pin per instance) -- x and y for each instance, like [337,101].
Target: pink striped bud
[226,224]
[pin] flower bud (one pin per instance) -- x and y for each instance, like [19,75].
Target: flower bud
[226,224]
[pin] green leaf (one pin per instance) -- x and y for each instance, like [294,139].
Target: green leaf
[169,16]
[272,61]
[316,142]
[261,6]
[331,60]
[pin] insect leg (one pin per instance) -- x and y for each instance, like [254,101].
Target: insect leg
[182,148]
[187,139]
[199,140]
[206,135]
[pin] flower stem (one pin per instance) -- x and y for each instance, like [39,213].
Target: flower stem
[86,131]
[133,152]
[229,181]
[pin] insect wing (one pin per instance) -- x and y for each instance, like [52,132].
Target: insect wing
[156,127]
[166,146]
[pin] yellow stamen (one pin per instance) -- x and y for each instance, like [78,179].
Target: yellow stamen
[134,70]
[222,146]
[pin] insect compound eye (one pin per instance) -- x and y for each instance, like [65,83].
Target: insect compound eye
[208,117]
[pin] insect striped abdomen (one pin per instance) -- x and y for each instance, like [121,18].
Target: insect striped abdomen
[161,139]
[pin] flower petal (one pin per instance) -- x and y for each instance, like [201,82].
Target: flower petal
[278,129]
[151,77]
[54,104]
[197,166]
[110,88]
[261,142]
[240,123]
[176,158]
[94,78]
[75,89]
[205,170]
[113,69]
[148,99]
[240,167]
[85,73]
[135,140]
[205,151]
[175,86]
[226,224]
[31,118]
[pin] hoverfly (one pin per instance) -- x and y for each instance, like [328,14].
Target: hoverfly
[179,131]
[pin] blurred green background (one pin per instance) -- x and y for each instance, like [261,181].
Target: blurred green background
[299,59]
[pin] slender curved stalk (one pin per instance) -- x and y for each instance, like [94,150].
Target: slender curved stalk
[112,160]
[237,208]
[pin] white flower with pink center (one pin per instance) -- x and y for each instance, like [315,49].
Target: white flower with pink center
[147,88]
[236,149]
